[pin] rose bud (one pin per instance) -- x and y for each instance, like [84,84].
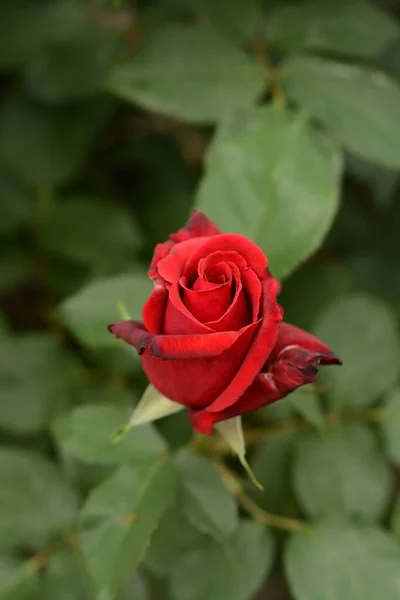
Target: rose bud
[212,336]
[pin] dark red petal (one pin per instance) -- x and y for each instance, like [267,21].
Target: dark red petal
[178,320]
[292,337]
[160,252]
[258,353]
[173,347]
[208,304]
[170,268]
[247,250]
[198,225]
[198,382]
[153,310]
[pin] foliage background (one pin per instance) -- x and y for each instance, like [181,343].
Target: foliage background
[280,121]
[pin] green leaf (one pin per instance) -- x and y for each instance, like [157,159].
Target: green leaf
[30,135]
[360,106]
[337,559]
[205,501]
[15,205]
[271,465]
[15,265]
[135,590]
[119,518]
[305,402]
[201,86]
[65,578]
[311,289]
[335,469]
[173,537]
[237,19]
[344,27]
[85,433]
[88,312]
[35,502]
[17,581]
[35,372]
[65,232]
[363,332]
[234,570]
[390,425]
[73,67]
[258,162]
[395,521]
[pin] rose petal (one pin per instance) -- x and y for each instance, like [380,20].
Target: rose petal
[237,314]
[153,310]
[170,267]
[247,250]
[198,382]
[292,337]
[198,225]
[208,304]
[258,353]
[178,320]
[294,365]
[173,347]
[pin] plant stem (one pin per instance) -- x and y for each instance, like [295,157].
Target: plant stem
[260,515]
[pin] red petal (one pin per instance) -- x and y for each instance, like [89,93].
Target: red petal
[173,347]
[258,353]
[209,304]
[198,225]
[292,337]
[247,250]
[178,320]
[153,310]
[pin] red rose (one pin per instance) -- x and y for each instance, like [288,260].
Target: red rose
[212,337]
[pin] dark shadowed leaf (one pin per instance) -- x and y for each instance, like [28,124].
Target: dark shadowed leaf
[202,85]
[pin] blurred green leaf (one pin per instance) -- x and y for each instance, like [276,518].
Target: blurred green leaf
[135,590]
[205,501]
[235,569]
[339,26]
[337,559]
[310,289]
[395,521]
[65,578]
[15,265]
[35,372]
[16,205]
[335,469]
[86,433]
[306,403]
[110,239]
[44,146]
[239,20]
[119,518]
[35,502]
[173,537]
[271,463]
[17,581]
[390,425]
[88,312]
[201,86]
[360,106]
[362,331]
[3,325]
[254,171]
[73,67]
